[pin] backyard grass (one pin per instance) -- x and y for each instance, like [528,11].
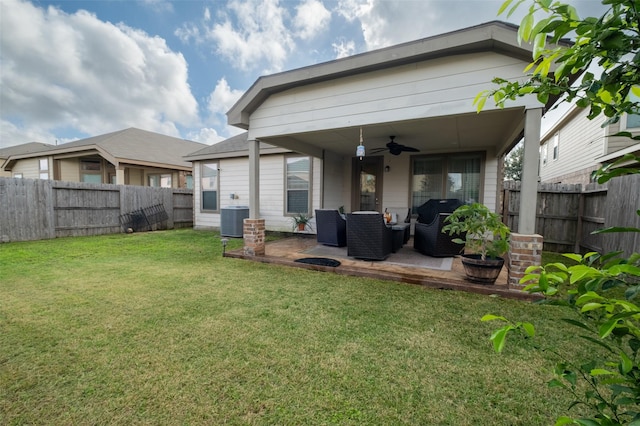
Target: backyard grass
[159,328]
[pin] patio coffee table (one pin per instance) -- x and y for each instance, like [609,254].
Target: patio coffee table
[399,230]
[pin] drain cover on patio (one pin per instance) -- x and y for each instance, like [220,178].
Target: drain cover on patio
[322,261]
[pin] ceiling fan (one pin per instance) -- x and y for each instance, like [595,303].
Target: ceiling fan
[395,148]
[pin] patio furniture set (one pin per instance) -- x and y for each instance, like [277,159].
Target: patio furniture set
[368,236]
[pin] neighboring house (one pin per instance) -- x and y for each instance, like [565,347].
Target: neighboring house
[25,148]
[289,182]
[126,157]
[421,92]
[576,146]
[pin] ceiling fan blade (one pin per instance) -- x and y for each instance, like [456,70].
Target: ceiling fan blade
[410,149]
[377,150]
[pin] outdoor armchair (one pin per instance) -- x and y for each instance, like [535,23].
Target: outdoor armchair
[331,228]
[368,237]
[428,238]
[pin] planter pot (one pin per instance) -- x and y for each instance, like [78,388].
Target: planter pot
[301,227]
[482,271]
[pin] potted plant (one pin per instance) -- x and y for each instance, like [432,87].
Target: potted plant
[300,221]
[486,240]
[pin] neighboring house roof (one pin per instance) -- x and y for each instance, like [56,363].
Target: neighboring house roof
[495,35]
[25,148]
[235,146]
[132,146]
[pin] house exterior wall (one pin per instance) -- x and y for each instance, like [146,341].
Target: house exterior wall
[580,142]
[335,188]
[4,173]
[28,168]
[439,87]
[69,170]
[616,143]
[234,179]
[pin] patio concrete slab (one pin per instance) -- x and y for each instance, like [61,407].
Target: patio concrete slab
[407,265]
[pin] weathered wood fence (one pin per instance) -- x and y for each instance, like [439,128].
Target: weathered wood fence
[567,214]
[34,209]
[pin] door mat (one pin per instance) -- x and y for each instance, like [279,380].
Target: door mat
[322,261]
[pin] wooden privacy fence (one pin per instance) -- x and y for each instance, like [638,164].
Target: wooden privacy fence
[566,215]
[34,209]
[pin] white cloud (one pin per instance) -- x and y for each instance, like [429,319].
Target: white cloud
[253,34]
[223,97]
[205,135]
[344,48]
[79,72]
[11,134]
[311,18]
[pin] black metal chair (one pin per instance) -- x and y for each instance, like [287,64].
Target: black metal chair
[368,237]
[331,228]
[428,238]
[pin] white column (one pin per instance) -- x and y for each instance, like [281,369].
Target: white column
[120,175]
[529,179]
[254,179]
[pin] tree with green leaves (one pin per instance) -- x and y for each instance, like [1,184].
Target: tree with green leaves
[611,41]
[601,288]
[513,163]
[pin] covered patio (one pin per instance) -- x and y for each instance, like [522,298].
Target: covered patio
[418,94]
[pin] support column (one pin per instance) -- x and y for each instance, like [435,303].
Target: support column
[529,178]
[253,234]
[526,246]
[254,227]
[254,179]
[524,251]
[120,175]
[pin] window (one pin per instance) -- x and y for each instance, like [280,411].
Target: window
[160,180]
[543,154]
[90,171]
[631,121]
[298,184]
[43,166]
[555,146]
[17,175]
[446,176]
[210,183]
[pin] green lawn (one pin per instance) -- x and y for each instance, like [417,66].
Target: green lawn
[159,328]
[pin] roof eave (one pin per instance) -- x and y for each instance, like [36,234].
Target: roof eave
[495,35]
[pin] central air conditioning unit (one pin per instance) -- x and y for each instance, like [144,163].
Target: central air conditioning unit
[232,220]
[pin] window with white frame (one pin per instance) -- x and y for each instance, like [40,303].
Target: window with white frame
[210,186]
[631,121]
[543,153]
[297,185]
[446,176]
[556,138]
[43,167]
[160,180]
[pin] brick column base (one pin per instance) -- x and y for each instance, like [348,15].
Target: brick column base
[524,251]
[254,233]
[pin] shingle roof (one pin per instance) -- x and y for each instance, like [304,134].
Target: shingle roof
[25,148]
[235,146]
[136,145]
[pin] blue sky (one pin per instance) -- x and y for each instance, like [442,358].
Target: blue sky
[74,69]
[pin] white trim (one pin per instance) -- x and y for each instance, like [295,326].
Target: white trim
[628,150]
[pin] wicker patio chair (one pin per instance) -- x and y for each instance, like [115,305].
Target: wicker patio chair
[368,237]
[331,228]
[428,238]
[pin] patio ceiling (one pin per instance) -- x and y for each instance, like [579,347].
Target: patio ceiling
[498,129]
